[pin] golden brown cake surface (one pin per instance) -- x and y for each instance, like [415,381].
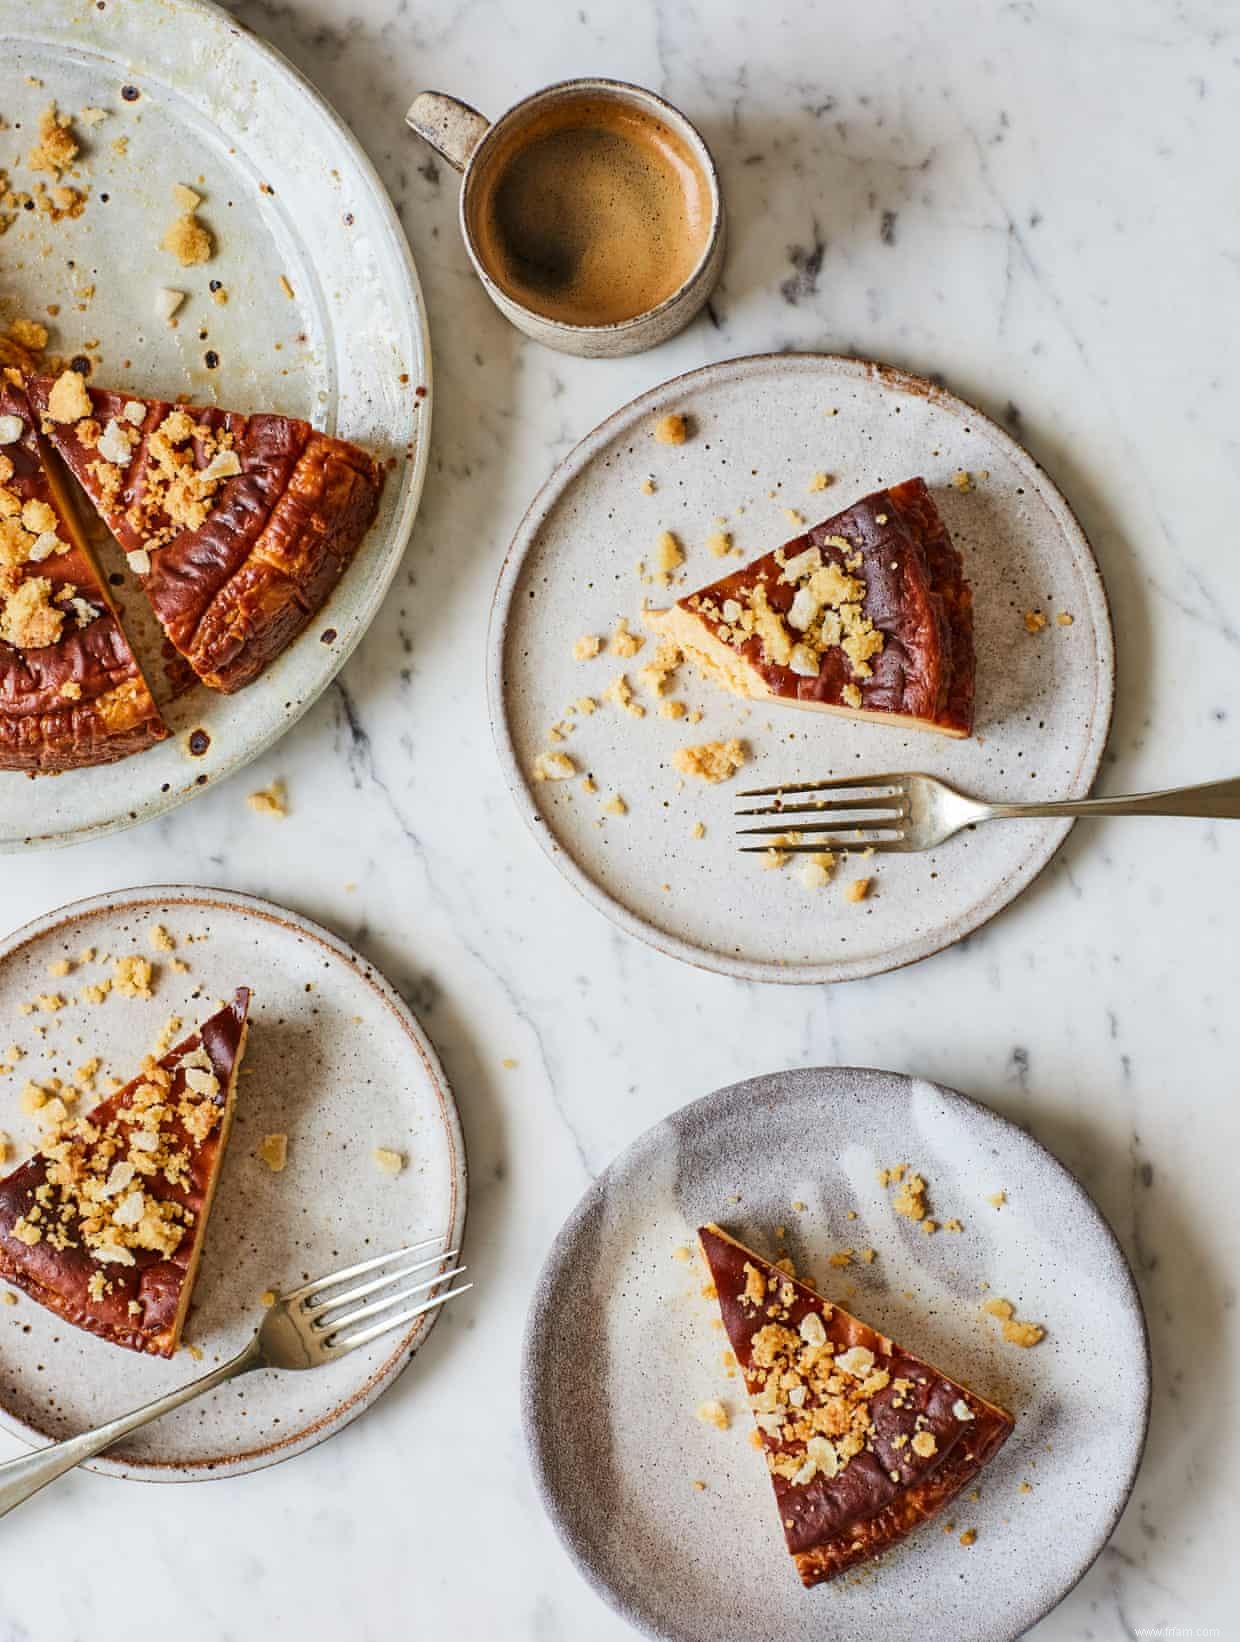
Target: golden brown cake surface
[71,693]
[237,526]
[104,1224]
[863,1441]
[866,614]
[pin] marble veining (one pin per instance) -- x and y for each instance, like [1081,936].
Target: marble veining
[1031,202]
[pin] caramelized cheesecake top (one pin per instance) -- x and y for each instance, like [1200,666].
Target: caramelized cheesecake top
[867,613]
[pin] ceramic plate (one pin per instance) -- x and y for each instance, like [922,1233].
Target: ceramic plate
[763,427]
[336,1061]
[323,319]
[620,1350]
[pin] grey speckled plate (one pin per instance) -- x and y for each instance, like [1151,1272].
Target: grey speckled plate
[763,428]
[336,1061]
[288,193]
[620,1351]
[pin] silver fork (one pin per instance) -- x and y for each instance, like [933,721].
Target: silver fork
[305,1328]
[917,812]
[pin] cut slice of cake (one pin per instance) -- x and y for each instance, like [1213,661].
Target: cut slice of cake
[868,615]
[863,1440]
[71,693]
[238,527]
[104,1225]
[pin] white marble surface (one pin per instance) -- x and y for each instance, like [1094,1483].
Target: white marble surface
[1035,199]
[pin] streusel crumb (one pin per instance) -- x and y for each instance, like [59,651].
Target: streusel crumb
[711,760]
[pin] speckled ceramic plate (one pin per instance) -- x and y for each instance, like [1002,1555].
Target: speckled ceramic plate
[336,1061]
[289,195]
[763,427]
[620,1350]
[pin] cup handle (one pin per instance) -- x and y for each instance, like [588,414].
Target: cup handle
[452,128]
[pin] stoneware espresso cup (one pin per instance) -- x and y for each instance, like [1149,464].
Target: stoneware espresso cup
[668,275]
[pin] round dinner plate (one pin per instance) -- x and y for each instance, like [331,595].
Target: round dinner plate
[620,1350]
[335,1061]
[761,429]
[316,311]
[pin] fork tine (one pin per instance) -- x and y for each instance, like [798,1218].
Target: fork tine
[338,1347]
[313,1303]
[318,1284]
[895,781]
[835,844]
[894,804]
[863,830]
[360,1313]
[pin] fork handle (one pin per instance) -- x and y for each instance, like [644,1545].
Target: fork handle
[1217,800]
[22,1477]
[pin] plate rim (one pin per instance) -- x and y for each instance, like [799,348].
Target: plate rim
[532,1335]
[1008,890]
[401,529]
[136,898]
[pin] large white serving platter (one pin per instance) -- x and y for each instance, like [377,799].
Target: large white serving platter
[291,200]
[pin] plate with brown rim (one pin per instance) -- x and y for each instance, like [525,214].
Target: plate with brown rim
[666,868]
[335,1061]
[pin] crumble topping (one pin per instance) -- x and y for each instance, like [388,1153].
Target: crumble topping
[57,147]
[858,889]
[669,556]
[615,805]
[997,1199]
[671,709]
[713,1413]
[131,976]
[99,1187]
[826,613]
[969,1537]
[1035,621]
[387,1161]
[554,767]
[1015,1332]
[817,870]
[620,693]
[623,642]
[28,618]
[711,760]
[820,481]
[273,1151]
[811,1399]
[188,239]
[272,800]
[68,401]
[587,647]
[672,429]
[719,544]
[661,667]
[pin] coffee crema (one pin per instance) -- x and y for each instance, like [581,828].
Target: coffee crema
[591,213]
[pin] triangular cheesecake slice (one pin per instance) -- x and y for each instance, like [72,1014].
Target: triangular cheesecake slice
[868,615]
[71,693]
[238,527]
[863,1440]
[104,1225]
